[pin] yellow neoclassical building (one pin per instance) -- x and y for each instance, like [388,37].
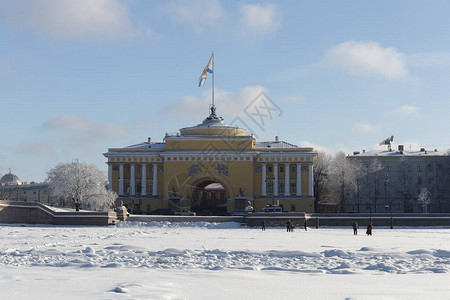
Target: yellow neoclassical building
[214,168]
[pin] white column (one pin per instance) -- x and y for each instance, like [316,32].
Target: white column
[110,177]
[132,180]
[286,180]
[144,180]
[120,179]
[310,180]
[275,179]
[155,180]
[263,181]
[299,179]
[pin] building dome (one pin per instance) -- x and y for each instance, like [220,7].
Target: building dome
[213,125]
[10,179]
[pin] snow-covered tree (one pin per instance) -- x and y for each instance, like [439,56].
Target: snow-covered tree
[81,184]
[321,170]
[342,179]
[424,199]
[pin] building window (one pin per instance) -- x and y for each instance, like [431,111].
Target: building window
[292,207]
[115,168]
[367,168]
[269,169]
[138,187]
[409,168]
[399,168]
[419,168]
[293,186]
[280,186]
[419,180]
[293,169]
[281,169]
[127,169]
[388,168]
[139,169]
[269,186]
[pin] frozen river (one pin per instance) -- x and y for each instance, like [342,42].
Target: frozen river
[221,261]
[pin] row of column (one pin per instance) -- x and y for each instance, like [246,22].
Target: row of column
[287,180]
[133,179]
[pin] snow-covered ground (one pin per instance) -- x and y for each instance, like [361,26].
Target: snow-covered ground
[221,261]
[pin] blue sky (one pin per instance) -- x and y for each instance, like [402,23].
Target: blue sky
[78,77]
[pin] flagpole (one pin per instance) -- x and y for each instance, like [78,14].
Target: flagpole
[213,79]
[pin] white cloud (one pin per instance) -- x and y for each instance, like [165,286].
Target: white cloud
[227,103]
[66,122]
[36,148]
[98,19]
[365,127]
[316,147]
[258,19]
[407,110]
[200,14]
[82,130]
[367,58]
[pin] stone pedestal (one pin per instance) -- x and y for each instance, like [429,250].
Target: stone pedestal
[122,213]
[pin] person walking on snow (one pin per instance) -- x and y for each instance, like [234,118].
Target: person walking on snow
[369,229]
[355,228]
[288,226]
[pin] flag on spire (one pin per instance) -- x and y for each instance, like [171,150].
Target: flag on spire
[208,69]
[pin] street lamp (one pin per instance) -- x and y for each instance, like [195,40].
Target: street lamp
[388,207]
[386,181]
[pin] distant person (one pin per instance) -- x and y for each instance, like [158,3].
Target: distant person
[288,226]
[292,225]
[355,228]
[369,229]
[263,225]
[305,225]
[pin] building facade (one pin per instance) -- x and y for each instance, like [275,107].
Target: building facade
[174,173]
[391,181]
[12,188]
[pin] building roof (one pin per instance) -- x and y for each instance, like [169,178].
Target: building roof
[274,145]
[10,179]
[213,125]
[258,145]
[385,153]
[147,145]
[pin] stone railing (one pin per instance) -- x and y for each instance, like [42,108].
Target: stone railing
[37,213]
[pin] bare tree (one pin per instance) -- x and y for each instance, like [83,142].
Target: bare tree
[424,199]
[80,184]
[342,179]
[321,170]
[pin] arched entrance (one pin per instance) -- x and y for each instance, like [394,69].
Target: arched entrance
[209,198]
